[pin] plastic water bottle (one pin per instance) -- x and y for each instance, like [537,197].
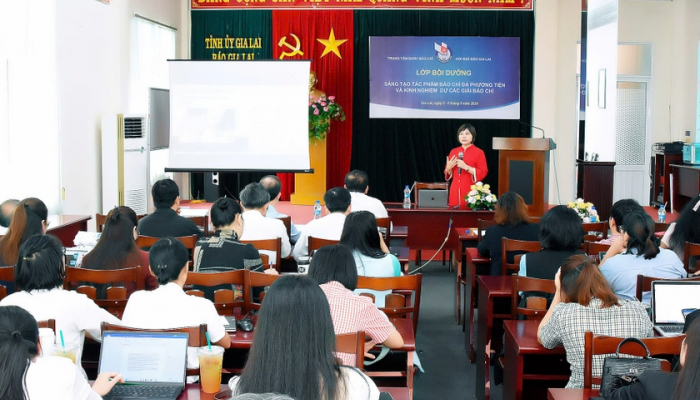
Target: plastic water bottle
[407,197]
[662,214]
[317,209]
[593,217]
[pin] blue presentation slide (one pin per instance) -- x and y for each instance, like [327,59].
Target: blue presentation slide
[444,77]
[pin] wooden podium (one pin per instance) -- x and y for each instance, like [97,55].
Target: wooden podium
[523,168]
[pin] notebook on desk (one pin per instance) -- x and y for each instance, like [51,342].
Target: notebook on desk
[153,364]
[668,300]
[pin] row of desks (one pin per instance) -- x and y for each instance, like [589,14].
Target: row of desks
[193,392]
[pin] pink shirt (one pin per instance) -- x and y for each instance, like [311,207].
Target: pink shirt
[352,313]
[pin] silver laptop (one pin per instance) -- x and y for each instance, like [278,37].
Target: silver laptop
[153,364]
[668,300]
[432,198]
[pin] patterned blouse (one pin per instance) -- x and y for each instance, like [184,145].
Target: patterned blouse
[570,321]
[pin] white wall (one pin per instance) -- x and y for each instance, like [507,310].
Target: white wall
[93,79]
[557,31]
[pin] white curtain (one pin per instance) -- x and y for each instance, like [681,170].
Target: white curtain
[29,142]
[151,46]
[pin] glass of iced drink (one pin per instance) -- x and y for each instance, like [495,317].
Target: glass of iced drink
[210,361]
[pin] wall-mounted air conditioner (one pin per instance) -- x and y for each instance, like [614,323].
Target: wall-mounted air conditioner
[125,162]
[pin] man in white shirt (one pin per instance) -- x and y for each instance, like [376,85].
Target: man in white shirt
[7,208]
[254,199]
[357,183]
[274,189]
[329,227]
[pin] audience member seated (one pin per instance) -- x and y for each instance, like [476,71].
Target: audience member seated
[165,221]
[292,352]
[357,183]
[168,306]
[685,229]
[223,252]
[585,302]
[39,274]
[328,227]
[273,185]
[26,375]
[660,385]
[372,257]
[117,249]
[7,208]
[512,222]
[617,213]
[28,219]
[561,235]
[254,199]
[333,267]
[637,252]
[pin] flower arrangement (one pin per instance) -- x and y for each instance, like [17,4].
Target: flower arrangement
[321,111]
[480,197]
[586,211]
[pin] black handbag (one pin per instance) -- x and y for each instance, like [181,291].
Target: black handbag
[619,372]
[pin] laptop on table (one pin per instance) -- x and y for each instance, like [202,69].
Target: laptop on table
[153,364]
[432,198]
[670,301]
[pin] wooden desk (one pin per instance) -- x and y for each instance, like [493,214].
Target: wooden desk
[571,394]
[472,266]
[193,392]
[466,239]
[490,289]
[521,341]
[65,227]
[686,184]
[427,228]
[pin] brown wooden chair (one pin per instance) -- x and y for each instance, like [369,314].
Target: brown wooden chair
[536,306]
[7,274]
[600,344]
[353,343]
[594,231]
[256,280]
[511,245]
[316,243]
[48,323]
[269,245]
[224,299]
[405,301]
[593,248]
[202,222]
[385,225]
[691,249]
[197,336]
[100,220]
[482,224]
[190,242]
[661,226]
[287,221]
[644,283]
[116,297]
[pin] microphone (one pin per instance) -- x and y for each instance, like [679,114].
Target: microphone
[553,145]
[461,157]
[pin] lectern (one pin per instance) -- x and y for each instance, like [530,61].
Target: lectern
[523,168]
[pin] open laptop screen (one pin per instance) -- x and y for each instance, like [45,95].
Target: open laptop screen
[145,356]
[670,298]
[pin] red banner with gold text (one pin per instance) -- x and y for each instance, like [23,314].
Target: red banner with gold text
[525,5]
[326,37]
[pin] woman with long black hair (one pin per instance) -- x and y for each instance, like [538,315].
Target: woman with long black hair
[685,229]
[23,375]
[292,352]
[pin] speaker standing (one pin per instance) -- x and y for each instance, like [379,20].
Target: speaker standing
[467,158]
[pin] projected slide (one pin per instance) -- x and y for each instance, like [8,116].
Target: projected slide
[444,77]
[242,115]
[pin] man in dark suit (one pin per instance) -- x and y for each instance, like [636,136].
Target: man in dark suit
[165,220]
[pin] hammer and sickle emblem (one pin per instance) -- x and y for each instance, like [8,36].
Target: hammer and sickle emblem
[295,49]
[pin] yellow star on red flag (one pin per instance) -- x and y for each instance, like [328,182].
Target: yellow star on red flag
[332,44]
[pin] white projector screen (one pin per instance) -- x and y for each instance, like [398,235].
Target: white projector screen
[239,116]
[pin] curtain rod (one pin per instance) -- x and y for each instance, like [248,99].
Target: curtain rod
[155,22]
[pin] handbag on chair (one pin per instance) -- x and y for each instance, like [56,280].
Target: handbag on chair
[619,372]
